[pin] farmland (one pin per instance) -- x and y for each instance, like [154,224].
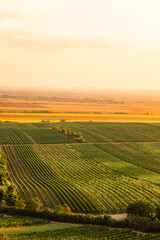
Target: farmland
[27,228]
[117,164]
[110,106]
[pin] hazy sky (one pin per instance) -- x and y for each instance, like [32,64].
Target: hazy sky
[80,43]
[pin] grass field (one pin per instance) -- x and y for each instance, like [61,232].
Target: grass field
[118,163]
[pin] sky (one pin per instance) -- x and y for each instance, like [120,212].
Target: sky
[80,44]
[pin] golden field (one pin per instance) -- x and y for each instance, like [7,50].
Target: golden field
[38,117]
[35,107]
[80,107]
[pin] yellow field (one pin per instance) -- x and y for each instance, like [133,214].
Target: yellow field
[133,110]
[38,117]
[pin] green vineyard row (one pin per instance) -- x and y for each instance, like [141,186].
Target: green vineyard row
[86,177]
[44,133]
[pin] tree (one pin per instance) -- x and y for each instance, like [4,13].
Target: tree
[141,208]
[158,212]
[63,209]
[3,203]
[11,195]
[20,204]
[1,194]
[34,204]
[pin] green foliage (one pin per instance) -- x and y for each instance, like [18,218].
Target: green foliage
[144,224]
[34,204]
[8,191]
[17,221]
[85,233]
[140,208]
[137,223]
[63,209]
[20,204]
[77,136]
[158,212]
[3,236]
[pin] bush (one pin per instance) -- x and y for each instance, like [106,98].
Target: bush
[34,205]
[63,209]
[140,223]
[3,203]
[20,204]
[158,212]
[140,208]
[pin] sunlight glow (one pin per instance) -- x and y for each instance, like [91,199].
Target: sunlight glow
[80,43]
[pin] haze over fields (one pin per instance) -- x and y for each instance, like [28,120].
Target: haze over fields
[22,104]
[80,43]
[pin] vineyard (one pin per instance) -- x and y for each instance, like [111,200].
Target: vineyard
[13,136]
[86,233]
[117,164]
[29,228]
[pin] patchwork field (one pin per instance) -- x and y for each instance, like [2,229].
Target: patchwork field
[117,164]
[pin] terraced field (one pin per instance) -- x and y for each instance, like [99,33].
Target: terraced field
[119,163]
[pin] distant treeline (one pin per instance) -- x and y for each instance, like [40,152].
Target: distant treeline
[65,99]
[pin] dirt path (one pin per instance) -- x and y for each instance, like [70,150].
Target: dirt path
[118,216]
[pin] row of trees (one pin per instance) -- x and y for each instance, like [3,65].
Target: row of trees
[76,136]
[141,215]
[34,205]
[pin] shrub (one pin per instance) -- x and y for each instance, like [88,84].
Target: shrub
[34,204]
[140,208]
[20,204]
[140,223]
[63,209]
[158,212]
[3,236]
[3,203]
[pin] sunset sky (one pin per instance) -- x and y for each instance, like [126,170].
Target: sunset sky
[80,43]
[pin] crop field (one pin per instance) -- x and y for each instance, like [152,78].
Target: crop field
[101,131]
[99,117]
[84,233]
[13,136]
[27,228]
[117,164]
[109,106]
[47,136]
